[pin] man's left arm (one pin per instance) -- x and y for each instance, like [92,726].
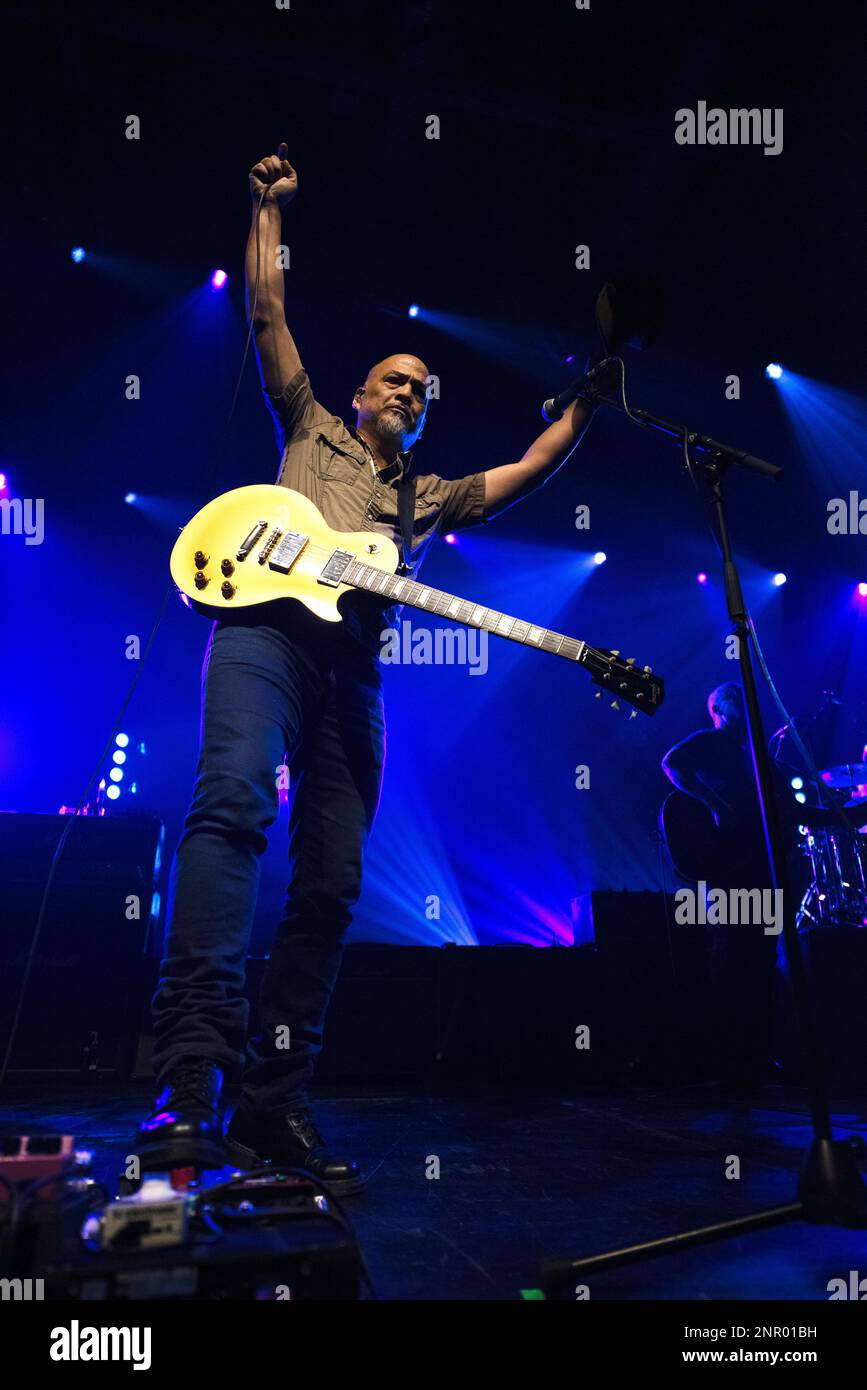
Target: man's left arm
[510,482]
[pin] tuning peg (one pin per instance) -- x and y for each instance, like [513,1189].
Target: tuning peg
[616,653]
[633,714]
[648,670]
[598,695]
[630,661]
[615,704]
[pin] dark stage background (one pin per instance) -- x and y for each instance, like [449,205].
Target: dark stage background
[557,129]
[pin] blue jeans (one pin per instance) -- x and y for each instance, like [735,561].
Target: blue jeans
[303,688]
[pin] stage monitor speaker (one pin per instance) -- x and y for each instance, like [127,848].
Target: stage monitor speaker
[82,1002]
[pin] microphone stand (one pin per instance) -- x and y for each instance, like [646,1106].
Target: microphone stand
[830,1189]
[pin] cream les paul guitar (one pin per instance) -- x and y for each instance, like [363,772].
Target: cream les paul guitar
[260,543]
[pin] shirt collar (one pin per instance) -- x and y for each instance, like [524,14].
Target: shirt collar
[398,469]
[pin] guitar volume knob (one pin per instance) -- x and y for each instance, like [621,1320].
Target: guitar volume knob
[227,567]
[200,581]
[201,559]
[227,589]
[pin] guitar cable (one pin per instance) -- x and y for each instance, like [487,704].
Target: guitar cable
[71,819]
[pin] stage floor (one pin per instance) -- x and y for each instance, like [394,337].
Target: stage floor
[523,1177]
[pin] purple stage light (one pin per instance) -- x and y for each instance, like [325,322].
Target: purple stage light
[4,482]
[218,279]
[862,590]
[451,538]
[701,577]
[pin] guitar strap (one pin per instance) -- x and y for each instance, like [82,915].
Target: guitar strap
[406,514]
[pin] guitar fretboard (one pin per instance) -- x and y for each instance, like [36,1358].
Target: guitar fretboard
[392,586]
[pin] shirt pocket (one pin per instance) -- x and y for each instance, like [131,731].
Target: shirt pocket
[336,464]
[427,510]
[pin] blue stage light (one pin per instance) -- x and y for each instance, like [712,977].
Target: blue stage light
[122,740]
[118,756]
[413,311]
[451,538]
[779,579]
[600,557]
[800,797]
[131,497]
[219,280]
[862,587]
[78,253]
[116,774]
[774,371]
[4,482]
[797,783]
[112,792]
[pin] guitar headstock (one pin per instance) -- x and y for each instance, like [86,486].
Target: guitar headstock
[634,685]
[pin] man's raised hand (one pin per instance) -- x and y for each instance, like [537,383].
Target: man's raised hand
[274,175]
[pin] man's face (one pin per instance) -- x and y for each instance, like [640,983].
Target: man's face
[726,710]
[392,403]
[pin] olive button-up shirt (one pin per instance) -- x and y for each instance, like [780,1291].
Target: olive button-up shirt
[329,462]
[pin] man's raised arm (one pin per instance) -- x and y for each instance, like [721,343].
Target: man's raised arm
[275,347]
[509,482]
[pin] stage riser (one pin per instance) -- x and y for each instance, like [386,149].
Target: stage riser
[483,1015]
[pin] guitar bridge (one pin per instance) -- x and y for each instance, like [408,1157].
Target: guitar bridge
[247,545]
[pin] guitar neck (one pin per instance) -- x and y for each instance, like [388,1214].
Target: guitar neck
[445,605]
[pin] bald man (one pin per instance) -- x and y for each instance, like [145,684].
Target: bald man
[279,682]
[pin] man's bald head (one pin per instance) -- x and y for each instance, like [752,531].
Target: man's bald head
[402,361]
[392,403]
[725,705]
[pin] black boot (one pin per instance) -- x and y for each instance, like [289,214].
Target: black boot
[291,1140]
[186,1127]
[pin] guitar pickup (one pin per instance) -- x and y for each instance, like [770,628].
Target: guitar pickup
[287,552]
[336,567]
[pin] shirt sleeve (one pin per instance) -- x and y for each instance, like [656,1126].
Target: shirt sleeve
[692,753]
[296,409]
[461,501]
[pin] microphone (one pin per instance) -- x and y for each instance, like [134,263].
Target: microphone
[554,408]
[630,310]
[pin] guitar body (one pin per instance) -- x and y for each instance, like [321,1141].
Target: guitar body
[699,850]
[216,534]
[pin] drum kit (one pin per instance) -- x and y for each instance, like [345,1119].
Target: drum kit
[834,856]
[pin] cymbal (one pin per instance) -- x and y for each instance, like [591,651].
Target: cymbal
[845,775]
